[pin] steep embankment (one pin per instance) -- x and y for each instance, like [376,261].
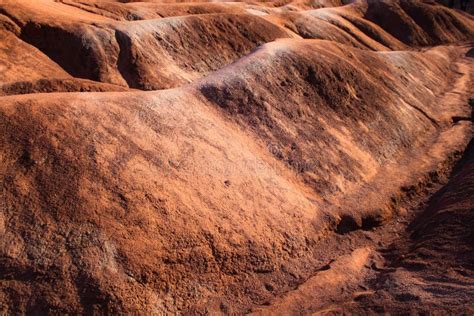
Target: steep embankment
[179,50]
[25,69]
[416,263]
[431,266]
[341,25]
[142,10]
[258,183]
[151,54]
[158,53]
[420,23]
[112,202]
[316,73]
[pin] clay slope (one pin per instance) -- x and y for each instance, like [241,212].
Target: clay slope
[342,25]
[324,88]
[151,54]
[278,167]
[101,41]
[431,268]
[420,23]
[112,203]
[382,25]
[25,69]
[187,48]
[153,10]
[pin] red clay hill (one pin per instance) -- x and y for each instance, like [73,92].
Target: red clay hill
[287,157]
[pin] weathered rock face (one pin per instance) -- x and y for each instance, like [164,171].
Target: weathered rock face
[286,128]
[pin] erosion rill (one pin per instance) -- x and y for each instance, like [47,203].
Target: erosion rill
[288,157]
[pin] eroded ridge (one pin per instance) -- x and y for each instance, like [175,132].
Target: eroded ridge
[286,159]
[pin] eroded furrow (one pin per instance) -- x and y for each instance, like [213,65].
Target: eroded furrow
[294,157]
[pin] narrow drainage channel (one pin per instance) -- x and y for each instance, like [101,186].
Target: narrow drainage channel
[366,288]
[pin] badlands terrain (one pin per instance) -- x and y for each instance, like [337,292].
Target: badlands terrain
[285,157]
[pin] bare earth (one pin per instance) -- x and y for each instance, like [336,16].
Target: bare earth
[284,157]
